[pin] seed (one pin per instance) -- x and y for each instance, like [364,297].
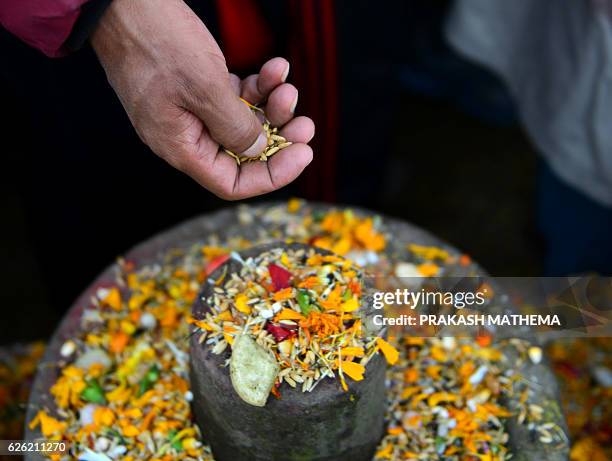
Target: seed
[270,152]
[274,143]
[288,322]
[219,347]
[546,439]
[284,372]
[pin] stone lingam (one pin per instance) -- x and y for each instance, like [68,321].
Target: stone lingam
[324,424]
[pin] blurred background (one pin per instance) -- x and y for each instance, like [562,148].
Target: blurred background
[438,143]
[406,126]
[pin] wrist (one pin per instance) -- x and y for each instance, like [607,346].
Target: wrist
[109,34]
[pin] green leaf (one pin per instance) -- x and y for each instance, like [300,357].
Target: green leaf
[153,374]
[148,380]
[177,444]
[303,300]
[93,393]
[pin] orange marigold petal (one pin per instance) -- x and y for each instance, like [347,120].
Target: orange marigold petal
[390,352]
[353,351]
[283,294]
[354,370]
[288,314]
[113,299]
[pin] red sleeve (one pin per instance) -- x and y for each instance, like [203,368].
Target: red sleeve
[43,24]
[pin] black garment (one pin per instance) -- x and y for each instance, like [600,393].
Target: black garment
[91,13]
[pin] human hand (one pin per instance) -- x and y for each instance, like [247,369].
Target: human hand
[171,78]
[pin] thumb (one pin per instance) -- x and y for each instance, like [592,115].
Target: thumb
[228,119]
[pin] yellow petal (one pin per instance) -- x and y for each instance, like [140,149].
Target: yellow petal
[225,316]
[293,205]
[385,453]
[104,417]
[288,314]
[436,398]
[131,431]
[49,426]
[410,391]
[113,299]
[438,354]
[353,351]
[241,304]
[390,352]
[354,370]
[428,269]
[342,246]
[283,294]
[120,394]
[350,305]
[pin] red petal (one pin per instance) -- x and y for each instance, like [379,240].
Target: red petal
[280,276]
[215,263]
[279,333]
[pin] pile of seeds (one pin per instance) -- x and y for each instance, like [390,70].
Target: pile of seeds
[302,307]
[123,391]
[275,141]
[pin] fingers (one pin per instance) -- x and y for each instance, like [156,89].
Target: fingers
[230,122]
[249,90]
[220,174]
[299,130]
[272,73]
[288,164]
[281,104]
[257,178]
[256,88]
[228,119]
